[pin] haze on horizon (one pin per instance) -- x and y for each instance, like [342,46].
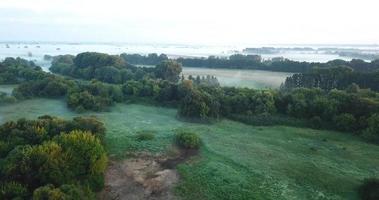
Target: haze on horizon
[219,22]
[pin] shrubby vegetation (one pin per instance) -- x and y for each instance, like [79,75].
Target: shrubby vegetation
[17,70]
[333,78]
[150,59]
[112,68]
[145,135]
[187,140]
[50,158]
[369,190]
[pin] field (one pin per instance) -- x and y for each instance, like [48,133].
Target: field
[256,79]
[236,161]
[241,78]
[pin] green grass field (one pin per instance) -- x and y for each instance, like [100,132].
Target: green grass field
[236,161]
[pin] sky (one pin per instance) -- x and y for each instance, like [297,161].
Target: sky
[219,22]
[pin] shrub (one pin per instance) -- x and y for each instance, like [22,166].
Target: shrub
[316,122]
[369,190]
[344,122]
[145,135]
[49,192]
[188,140]
[12,190]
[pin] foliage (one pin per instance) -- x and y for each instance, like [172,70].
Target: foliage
[12,190]
[344,122]
[150,59]
[187,140]
[64,192]
[17,70]
[50,150]
[111,68]
[369,190]
[372,131]
[334,78]
[168,70]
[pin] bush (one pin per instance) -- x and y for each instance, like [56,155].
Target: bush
[369,190]
[316,122]
[49,192]
[188,140]
[145,135]
[344,122]
[12,190]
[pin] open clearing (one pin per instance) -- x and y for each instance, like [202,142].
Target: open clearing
[236,161]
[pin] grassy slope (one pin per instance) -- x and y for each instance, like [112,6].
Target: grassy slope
[237,161]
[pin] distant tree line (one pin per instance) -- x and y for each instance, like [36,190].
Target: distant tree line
[51,158]
[138,59]
[255,62]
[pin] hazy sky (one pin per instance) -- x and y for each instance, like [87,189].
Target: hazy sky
[191,21]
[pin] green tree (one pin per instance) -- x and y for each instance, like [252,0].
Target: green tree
[168,70]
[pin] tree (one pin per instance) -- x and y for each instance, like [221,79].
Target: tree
[168,70]
[88,159]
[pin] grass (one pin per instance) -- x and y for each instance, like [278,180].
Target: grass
[236,161]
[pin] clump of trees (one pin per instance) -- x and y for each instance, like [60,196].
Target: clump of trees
[17,70]
[112,68]
[203,80]
[150,59]
[333,78]
[51,158]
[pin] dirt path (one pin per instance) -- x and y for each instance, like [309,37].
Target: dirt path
[143,177]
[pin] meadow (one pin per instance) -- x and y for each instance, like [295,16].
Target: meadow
[256,79]
[236,161]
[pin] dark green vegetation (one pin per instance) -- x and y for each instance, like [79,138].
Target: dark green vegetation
[254,62]
[145,135]
[51,157]
[369,190]
[334,78]
[111,68]
[13,71]
[150,59]
[187,140]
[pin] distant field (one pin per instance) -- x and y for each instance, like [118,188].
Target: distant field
[237,161]
[256,79]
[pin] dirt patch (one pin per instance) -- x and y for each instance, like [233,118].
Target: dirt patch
[144,176]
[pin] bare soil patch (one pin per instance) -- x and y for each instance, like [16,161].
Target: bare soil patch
[145,176]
